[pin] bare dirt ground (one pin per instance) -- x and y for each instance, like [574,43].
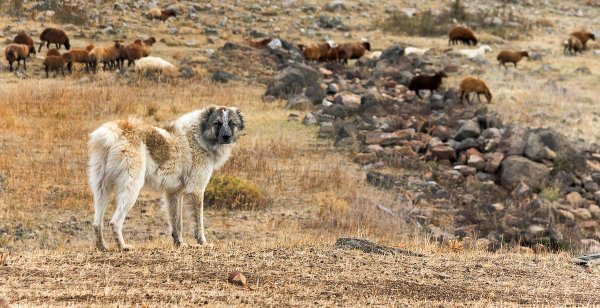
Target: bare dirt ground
[315,192]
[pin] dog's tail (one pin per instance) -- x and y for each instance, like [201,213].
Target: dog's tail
[99,146]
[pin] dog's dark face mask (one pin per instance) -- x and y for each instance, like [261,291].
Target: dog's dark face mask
[221,125]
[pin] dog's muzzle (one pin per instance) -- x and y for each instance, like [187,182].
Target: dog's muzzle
[225,135]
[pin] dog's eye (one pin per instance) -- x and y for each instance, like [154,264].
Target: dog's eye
[217,124]
[231,123]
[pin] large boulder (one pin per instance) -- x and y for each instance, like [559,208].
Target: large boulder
[516,169]
[292,80]
[470,129]
[392,53]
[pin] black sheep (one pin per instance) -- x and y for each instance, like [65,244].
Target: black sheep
[430,83]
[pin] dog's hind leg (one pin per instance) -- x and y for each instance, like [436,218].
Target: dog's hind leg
[125,200]
[174,203]
[101,198]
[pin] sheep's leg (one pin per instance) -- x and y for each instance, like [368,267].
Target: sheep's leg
[25,64]
[479,97]
[41,44]
[10,68]
[62,69]
[46,69]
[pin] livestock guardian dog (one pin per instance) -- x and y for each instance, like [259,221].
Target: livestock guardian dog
[177,159]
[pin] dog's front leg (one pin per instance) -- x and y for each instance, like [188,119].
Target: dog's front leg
[174,201]
[198,201]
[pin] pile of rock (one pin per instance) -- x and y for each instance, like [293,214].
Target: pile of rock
[368,107]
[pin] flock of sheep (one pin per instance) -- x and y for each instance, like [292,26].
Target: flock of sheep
[330,51]
[113,56]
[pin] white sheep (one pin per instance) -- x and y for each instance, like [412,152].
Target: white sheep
[375,55]
[153,64]
[414,50]
[472,53]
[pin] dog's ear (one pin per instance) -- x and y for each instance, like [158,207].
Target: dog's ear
[205,117]
[241,116]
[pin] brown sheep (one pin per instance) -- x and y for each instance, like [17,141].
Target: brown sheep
[77,55]
[431,83]
[54,63]
[53,52]
[259,44]
[314,51]
[511,56]
[149,41]
[354,50]
[469,85]
[56,36]
[25,39]
[337,54]
[462,35]
[107,55]
[16,52]
[573,45]
[160,14]
[584,36]
[131,53]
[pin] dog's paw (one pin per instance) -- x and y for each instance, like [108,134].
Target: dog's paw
[101,247]
[127,247]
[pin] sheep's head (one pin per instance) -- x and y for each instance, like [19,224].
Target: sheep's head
[592,36]
[441,74]
[366,45]
[150,41]
[301,47]
[67,45]
[525,54]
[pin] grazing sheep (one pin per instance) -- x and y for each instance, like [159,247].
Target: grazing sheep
[53,52]
[584,36]
[160,14]
[54,63]
[472,53]
[109,56]
[149,64]
[314,51]
[462,35]
[354,50]
[430,83]
[25,39]
[573,45]
[77,55]
[259,44]
[16,52]
[131,53]
[414,50]
[511,56]
[56,36]
[469,85]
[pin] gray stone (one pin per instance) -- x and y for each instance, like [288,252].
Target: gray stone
[517,168]
[470,129]
[326,130]
[392,53]
[223,77]
[492,161]
[436,102]
[336,5]
[442,152]
[535,148]
[292,80]
[309,119]
[299,102]
[366,246]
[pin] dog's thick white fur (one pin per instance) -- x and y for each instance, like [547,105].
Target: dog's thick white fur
[177,159]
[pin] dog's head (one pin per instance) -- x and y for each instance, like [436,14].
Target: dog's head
[220,125]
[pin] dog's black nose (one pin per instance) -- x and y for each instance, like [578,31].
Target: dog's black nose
[226,137]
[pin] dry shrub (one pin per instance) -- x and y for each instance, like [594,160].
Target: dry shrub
[65,11]
[228,192]
[453,245]
[332,209]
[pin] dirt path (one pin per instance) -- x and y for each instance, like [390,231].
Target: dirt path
[292,274]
